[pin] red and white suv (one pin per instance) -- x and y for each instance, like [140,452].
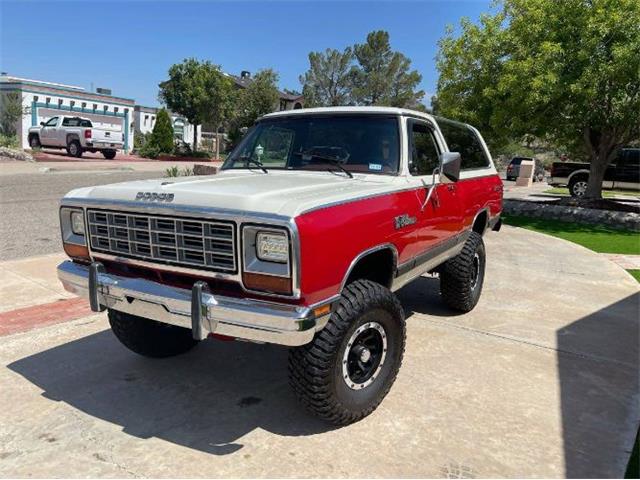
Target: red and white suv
[315,219]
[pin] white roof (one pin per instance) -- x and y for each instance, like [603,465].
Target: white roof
[11,78]
[370,110]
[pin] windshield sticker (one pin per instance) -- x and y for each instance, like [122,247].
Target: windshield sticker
[375,166]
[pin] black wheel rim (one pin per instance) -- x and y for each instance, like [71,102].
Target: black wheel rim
[364,355]
[475,271]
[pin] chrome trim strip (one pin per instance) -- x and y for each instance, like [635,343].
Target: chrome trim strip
[249,319]
[433,258]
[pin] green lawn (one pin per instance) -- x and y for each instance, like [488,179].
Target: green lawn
[635,274]
[605,193]
[598,239]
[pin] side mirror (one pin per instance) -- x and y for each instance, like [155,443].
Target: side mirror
[450,165]
[42,124]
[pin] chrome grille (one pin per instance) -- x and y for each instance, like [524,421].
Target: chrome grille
[193,243]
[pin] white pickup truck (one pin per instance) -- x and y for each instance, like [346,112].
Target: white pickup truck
[77,135]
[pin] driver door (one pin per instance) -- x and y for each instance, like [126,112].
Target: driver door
[48,132]
[439,219]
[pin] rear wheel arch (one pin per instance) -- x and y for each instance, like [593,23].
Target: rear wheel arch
[376,264]
[481,221]
[71,137]
[34,140]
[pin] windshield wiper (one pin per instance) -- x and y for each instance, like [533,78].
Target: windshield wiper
[331,160]
[247,160]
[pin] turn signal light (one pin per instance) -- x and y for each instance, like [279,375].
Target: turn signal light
[80,252]
[267,283]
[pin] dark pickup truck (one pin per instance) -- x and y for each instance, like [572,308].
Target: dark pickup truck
[623,173]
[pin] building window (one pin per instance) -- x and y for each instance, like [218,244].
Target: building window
[35,98]
[59,102]
[115,109]
[84,104]
[48,100]
[146,119]
[105,108]
[95,106]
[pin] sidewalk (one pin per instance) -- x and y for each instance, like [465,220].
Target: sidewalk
[10,167]
[31,295]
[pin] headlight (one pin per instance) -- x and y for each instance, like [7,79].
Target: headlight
[77,223]
[272,247]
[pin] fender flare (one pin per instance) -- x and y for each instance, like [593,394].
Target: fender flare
[577,172]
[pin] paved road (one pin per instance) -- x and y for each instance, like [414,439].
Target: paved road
[29,205]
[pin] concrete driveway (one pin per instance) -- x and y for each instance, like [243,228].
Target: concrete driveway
[540,380]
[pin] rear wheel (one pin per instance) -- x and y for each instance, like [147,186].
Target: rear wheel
[74,148]
[578,186]
[109,154]
[350,366]
[462,277]
[148,337]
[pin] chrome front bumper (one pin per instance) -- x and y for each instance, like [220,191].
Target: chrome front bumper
[196,309]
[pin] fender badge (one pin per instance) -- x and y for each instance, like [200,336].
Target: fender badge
[155,197]
[404,221]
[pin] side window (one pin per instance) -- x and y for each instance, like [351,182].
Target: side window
[52,122]
[424,152]
[460,138]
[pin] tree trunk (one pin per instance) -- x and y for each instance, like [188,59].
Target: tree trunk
[602,148]
[217,142]
[195,137]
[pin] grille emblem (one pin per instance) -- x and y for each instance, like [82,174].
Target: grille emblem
[155,197]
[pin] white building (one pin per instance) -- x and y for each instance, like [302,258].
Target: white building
[43,100]
[144,119]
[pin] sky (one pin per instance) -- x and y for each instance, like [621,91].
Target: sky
[128,46]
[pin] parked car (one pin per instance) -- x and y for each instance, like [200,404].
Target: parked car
[77,135]
[513,170]
[623,173]
[314,220]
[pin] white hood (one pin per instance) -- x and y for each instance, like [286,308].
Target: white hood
[287,193]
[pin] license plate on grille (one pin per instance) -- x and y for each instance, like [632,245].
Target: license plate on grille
[179,241]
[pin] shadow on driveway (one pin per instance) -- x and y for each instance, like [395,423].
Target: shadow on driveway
[205,399]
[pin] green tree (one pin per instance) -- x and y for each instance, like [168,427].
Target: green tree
[566,71]
[200,92]
[162,135]
[329,80]
[11,110]
[384,77]
[259,97]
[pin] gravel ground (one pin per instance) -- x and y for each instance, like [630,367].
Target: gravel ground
[29,208]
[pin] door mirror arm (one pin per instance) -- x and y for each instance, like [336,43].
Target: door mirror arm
[431,190]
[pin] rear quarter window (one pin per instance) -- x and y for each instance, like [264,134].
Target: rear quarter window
[461,138]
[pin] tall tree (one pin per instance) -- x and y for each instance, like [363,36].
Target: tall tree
[200,92]
[568,71]
[162,134]
[259,97]
[328,81]
[384,77]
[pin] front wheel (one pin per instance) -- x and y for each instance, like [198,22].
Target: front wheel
[462,277]
[109,154]
[351,364]
[150,338]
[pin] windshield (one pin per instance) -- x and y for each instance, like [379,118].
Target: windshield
[359,144]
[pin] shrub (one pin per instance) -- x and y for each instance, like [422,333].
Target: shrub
[140,140]
[149,150]
[162,135]
[176,172]
[10,141]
